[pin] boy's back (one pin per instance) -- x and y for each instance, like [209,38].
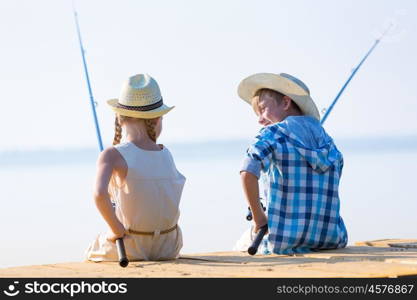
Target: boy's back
[303,168]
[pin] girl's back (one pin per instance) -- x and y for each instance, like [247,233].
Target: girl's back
[147,204]
[149,197]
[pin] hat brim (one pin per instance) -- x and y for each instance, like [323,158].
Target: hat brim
[151,114]
[250,85]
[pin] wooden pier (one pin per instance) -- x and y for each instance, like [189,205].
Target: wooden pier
[380,258]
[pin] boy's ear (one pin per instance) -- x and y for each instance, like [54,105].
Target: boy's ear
[287,102]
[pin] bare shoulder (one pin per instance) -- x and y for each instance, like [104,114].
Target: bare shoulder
[110,156]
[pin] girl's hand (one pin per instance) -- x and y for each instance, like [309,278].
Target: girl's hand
[112,236]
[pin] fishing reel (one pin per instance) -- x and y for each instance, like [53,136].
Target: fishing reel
[249,216]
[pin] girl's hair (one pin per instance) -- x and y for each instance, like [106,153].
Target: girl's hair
[149,124]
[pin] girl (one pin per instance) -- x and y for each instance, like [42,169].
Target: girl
[142,179]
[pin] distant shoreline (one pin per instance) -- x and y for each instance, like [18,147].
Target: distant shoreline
[189,150]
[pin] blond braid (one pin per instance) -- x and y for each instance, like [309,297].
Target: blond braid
[150,129]
[117,132]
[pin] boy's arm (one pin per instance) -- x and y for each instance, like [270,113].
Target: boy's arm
[251,190]
[258,158]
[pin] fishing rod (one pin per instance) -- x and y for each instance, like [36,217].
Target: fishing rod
[121,251]
[353,74]
[253,248]
[87,77]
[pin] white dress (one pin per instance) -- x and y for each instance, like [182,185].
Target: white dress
[148,201]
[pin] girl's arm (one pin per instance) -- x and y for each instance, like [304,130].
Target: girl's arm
[105,166]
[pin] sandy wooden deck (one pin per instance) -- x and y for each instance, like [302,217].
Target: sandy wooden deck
[382,258]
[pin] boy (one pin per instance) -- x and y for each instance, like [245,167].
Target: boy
[301,164]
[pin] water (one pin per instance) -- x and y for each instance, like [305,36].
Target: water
[48,214]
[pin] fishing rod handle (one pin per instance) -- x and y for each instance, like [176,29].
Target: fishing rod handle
[258,239]
[121,252]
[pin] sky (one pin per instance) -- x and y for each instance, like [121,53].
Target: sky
[199,51]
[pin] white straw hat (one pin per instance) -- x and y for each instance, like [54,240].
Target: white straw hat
[140,98]
[282,83]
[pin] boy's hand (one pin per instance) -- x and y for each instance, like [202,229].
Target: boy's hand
[260,221]
[112,235]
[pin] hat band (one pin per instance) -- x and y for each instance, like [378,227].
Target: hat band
[142,108]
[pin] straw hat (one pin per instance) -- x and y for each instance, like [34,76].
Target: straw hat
[282,83]
[140,98]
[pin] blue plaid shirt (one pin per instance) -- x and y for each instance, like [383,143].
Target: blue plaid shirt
[302,167]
